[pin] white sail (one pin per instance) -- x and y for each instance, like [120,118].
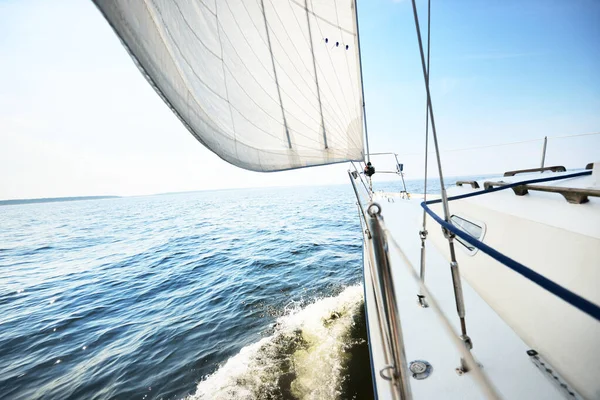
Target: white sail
[265,84]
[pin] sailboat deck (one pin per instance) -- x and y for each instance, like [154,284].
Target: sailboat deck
[498,349]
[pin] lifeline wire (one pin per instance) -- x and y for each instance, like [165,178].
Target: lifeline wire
[480,377]
[563,293]
[456,283]
[423,233]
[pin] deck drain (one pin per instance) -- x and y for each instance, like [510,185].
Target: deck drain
[420,369]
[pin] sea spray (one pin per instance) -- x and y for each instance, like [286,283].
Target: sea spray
[306,357]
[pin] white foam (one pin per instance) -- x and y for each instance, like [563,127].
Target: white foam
[306,348]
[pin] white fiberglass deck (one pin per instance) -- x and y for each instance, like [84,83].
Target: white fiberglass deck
[496,346]
[555,238]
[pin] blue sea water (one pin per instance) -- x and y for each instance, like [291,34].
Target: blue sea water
[237,294]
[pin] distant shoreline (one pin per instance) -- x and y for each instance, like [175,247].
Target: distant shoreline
[53,200]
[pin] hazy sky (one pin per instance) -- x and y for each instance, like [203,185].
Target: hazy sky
[77,118]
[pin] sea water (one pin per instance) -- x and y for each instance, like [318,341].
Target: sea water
[235,294]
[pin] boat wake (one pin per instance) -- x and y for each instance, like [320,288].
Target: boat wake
[307,357]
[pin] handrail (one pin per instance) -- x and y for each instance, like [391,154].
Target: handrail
[385,299]
[473,184]
[383,154]
[377,249]
[554,168]
[358,174]
[388,315]
[362,211]
[572,195]
[473,367]
[399,167]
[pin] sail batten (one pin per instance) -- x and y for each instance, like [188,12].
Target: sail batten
[266,85]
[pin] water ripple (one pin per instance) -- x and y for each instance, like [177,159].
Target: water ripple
[146,297]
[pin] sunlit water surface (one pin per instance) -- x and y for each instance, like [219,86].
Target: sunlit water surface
[238,294]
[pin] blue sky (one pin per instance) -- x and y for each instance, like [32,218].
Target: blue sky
[77,118]
[501,71]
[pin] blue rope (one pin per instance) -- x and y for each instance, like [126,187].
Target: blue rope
[575,300]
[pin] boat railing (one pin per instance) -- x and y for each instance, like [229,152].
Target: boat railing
[541,154]
[359,202]
[397,168]
[357,174]
[377,241]
[561,292]
[376,251]
[396,370]
[471,365]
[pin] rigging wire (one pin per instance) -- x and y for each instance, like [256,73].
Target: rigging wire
[561,292]
[480,377]
[576,135]
[359,175]
[431,114]
[456,282]
[423,232]
[505,144]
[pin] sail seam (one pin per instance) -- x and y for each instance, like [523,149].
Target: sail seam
[287,133]
[333,115]
[312,52]
[152,12]
[241,86]
[195,90]
[194,32]
[363,113]
[340,86]
[321,18]
[338,124]
[300,74]
[326,83]
[217,94]
[337,18]
[264,90]
[339,106]
[224,74]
